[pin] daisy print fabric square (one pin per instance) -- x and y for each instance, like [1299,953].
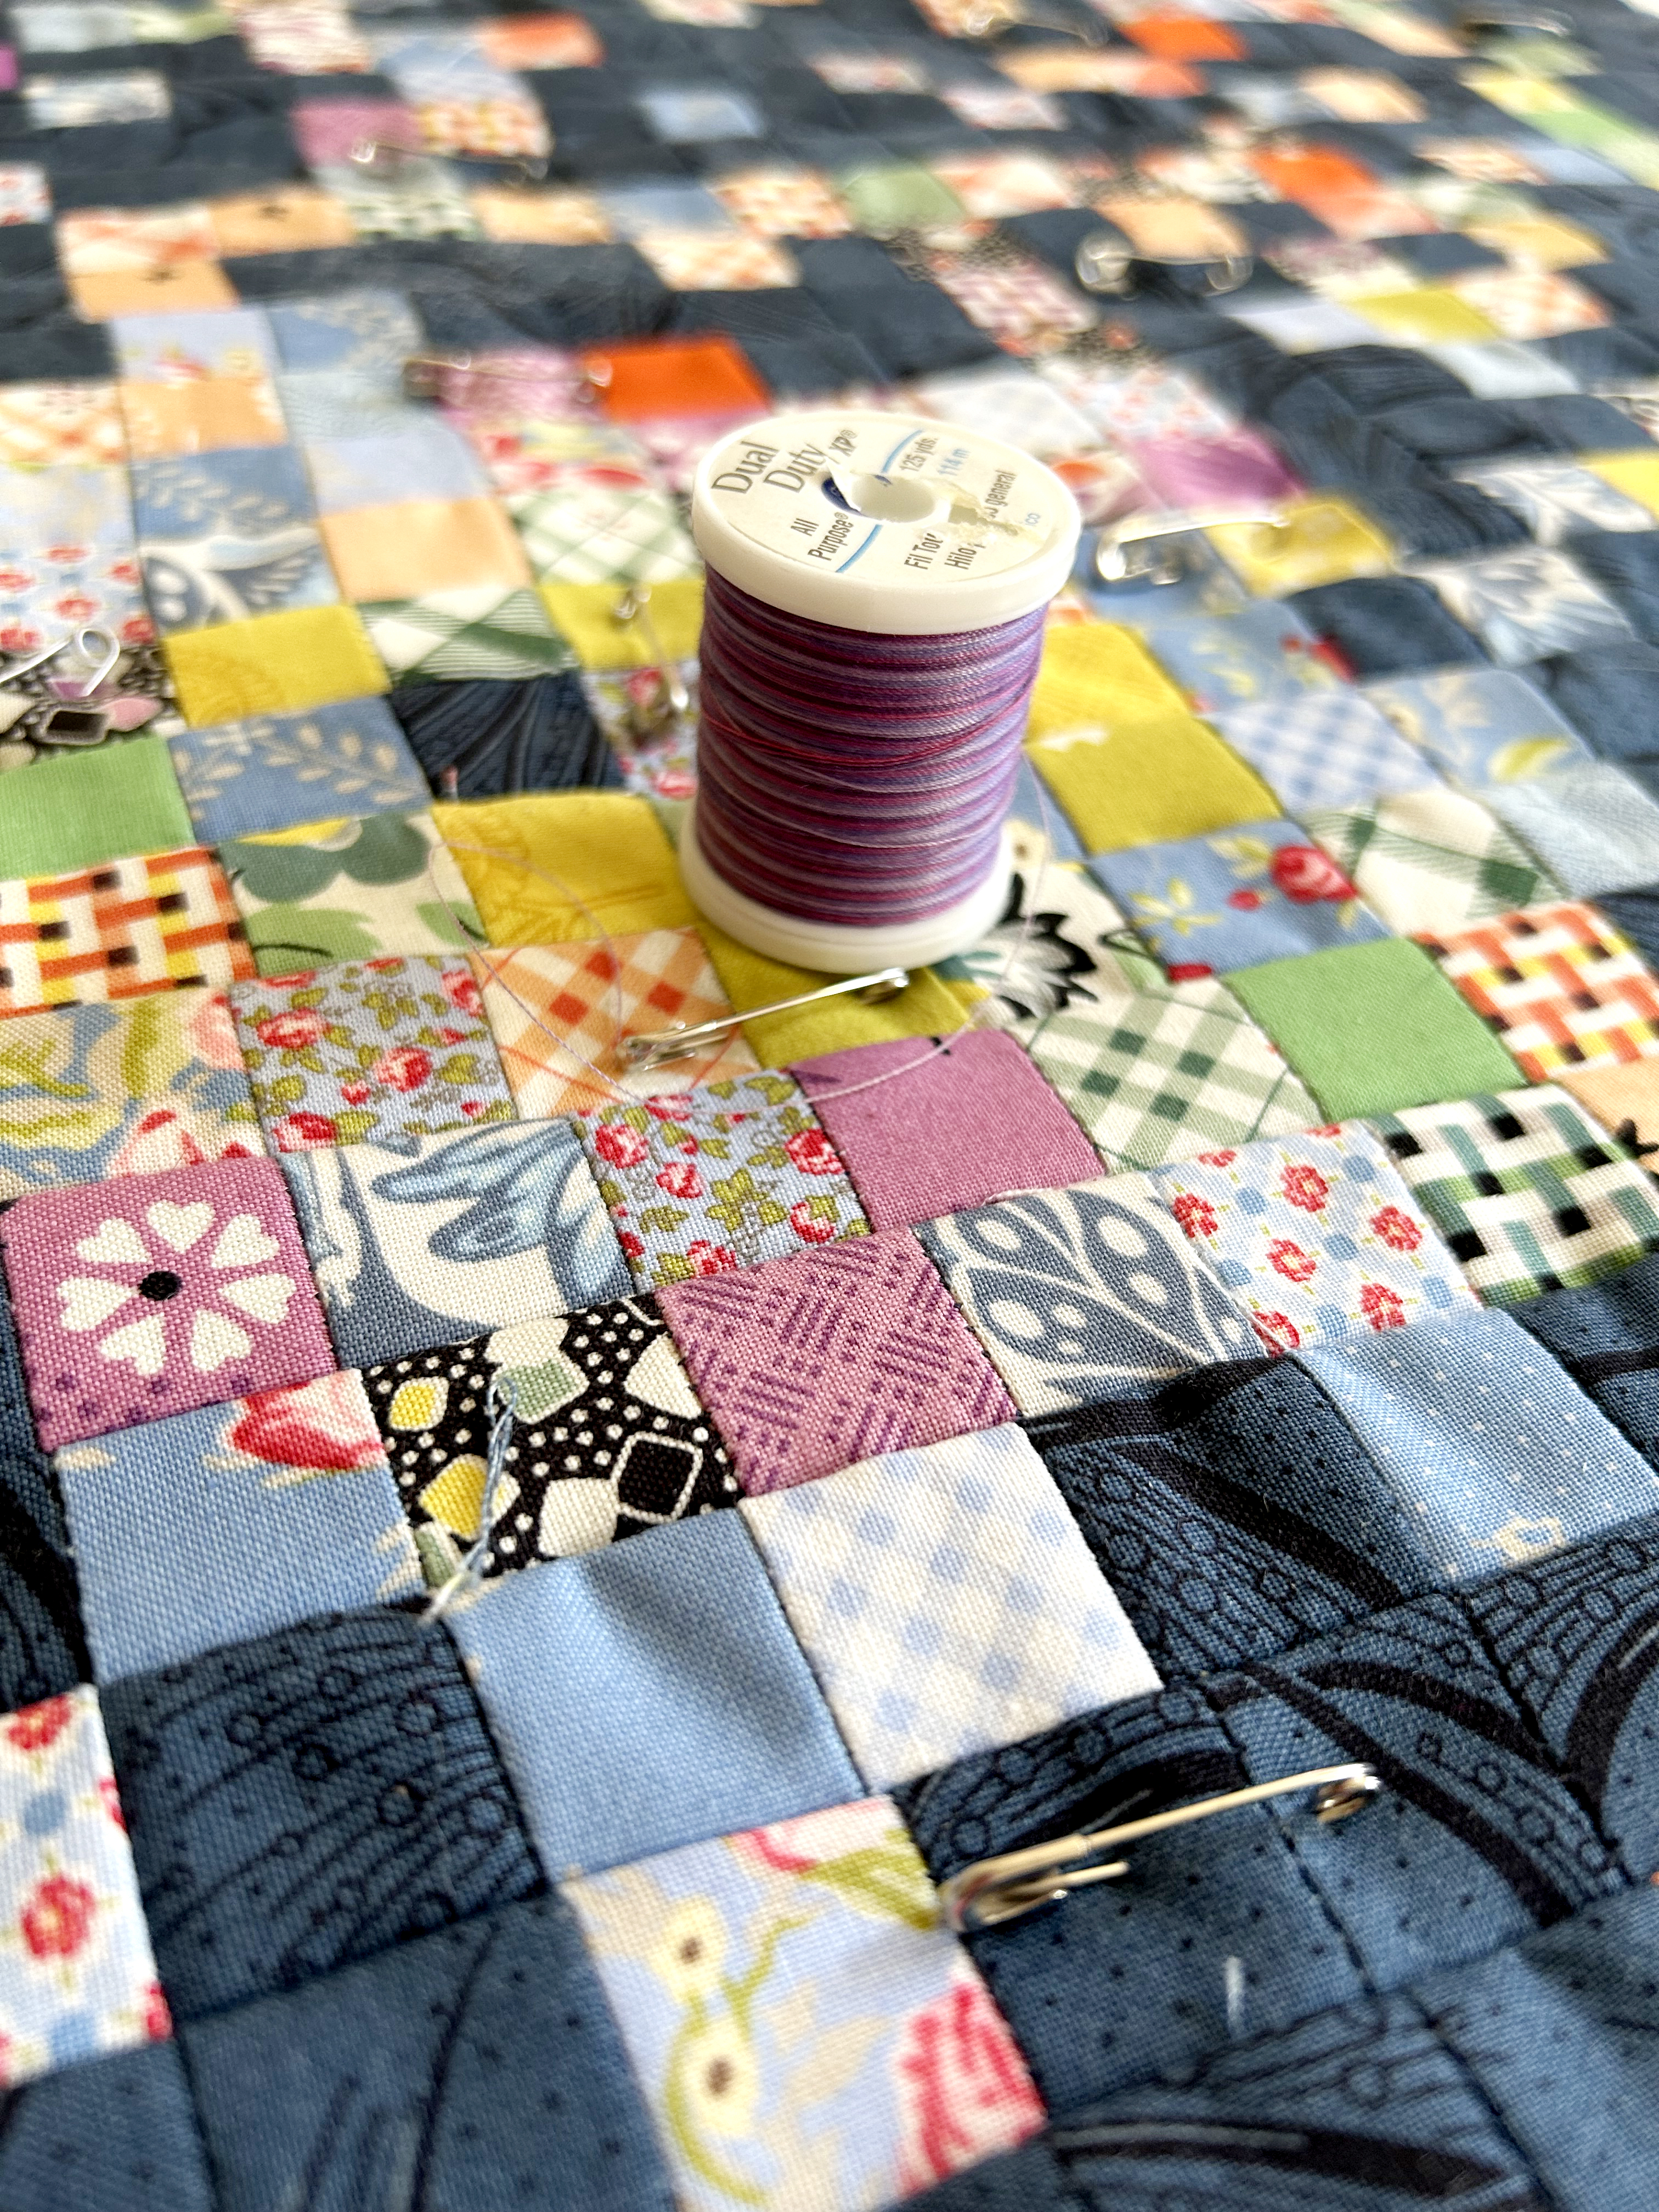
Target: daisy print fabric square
[158,1293]
[1263,891]
[81,1978]
[808,2033]
[1316,1237]
[393,1047]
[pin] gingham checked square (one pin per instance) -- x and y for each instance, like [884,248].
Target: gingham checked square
[665,977]
[1560,985]
[1430,860]
[782,203]
[1015,306]
[1529,1194]
[481,631]
[117,931]
[1324,749]
[585,530]
[947,1602]
[1162,1075]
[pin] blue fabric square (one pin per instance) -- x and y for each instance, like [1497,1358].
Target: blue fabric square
[1229,657]
[635,209]
[120,2132]
[219,341]
[1262,891]
[1606,1337]
[225,535]
[1496,1455]
[618,1747]
[276,771]
[232,1522]
[359,331]
[309,1798]
[479,2067]
[682,114]
[421,459]
[1481,724]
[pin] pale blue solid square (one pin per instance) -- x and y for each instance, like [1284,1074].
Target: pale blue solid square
[650,1695]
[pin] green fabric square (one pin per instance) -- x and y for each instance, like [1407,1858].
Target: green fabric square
[1371,1028]
[107,803]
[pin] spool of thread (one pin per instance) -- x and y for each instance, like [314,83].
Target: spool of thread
[872,625]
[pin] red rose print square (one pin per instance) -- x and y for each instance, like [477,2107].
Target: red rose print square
[732,1173]
[1262,891]
[157,1293]
[1316,1237]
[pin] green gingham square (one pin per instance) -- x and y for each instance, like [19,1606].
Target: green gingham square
[452,635]
[1529,1194]
[602,535]
[1432,860]
[1162,1075]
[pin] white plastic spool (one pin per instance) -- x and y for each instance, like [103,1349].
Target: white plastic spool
[889,524]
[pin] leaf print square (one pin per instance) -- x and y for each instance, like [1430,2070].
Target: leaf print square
[609,1439]
[88,1092]
[233,1521]
[424,1241]
[807,2031]
[1262,891]
[348,889]
[80,1977]
[928,1126]
[1316,1236]
[226,535]
[1527,603]
[1086,1295]
[277,771]
[154,1294]
[383,1049]
[733,1173]
[1479,725]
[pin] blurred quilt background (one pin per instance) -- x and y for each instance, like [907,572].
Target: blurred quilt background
[1206,1331]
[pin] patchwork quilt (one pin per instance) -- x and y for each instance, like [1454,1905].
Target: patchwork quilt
[520,1580]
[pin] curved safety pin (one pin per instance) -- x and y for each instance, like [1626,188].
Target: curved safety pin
[998,1889]
[1105,263]
[639,1054]
[106,656]
[1112,562]
[1487,23]
[994,18]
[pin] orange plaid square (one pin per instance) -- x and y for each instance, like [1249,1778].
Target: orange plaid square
[665,977]
[118,931]
[1560,985]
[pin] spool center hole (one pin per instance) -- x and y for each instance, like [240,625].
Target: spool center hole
[880,499]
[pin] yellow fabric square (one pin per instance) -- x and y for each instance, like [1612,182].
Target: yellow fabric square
[273,663]
[582,615]
[1147,781]
[1324,541]
[166,290]
[422,545]
[1428,315]
[164,420]
[1097,676]
[1542,241]
[597,863]
[927,1008]
[1636,474]
[282,219]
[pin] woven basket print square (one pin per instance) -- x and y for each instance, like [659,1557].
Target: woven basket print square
[118,930]
[1560,985]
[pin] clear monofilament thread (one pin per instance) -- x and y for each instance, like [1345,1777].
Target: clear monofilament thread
[851,778]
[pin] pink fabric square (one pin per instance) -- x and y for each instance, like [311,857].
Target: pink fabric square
[812,1362]
[1197,471]
[964,1125]
[159,1293]
[326,130]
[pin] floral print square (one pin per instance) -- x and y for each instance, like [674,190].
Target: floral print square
[1316,1237]
[807,2031]
[726,1175]
[80,1978]
[348,891]
[157,1293]
[379,1048]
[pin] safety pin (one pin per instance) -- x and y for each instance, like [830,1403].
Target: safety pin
[996,17]
[1105,263]
[1002,1888]
[74,637]
[659,1047]
[1112,548]
[424,375]
[672,699]
[1488,22]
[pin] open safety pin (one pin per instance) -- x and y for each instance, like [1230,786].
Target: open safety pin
[659,1047]
[672,699]
[1112,549]
[993,1890]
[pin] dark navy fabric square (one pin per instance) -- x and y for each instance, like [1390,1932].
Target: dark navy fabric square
[42,1648]
[1237,1526]
[1607,695]
[309,1798]
[1625,563]
[111,2135]
[536,735]
[1607,1335]
[479,2068]
[1386,625]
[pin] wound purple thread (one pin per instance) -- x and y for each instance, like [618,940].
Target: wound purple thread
[853,778]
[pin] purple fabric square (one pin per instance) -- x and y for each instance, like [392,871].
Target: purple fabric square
[967,1122]
[326,130]
[158,1293]
[1239,465]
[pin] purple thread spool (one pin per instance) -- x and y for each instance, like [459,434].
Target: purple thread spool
[872,631]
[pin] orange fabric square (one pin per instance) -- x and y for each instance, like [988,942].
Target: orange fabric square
[152,291]
[1176,37]
[1561,985]
[675,376]
[539,42]
[422,545]
[1319,170]
[287,218]
[201,417]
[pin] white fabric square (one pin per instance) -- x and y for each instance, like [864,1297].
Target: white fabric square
[947,1602]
